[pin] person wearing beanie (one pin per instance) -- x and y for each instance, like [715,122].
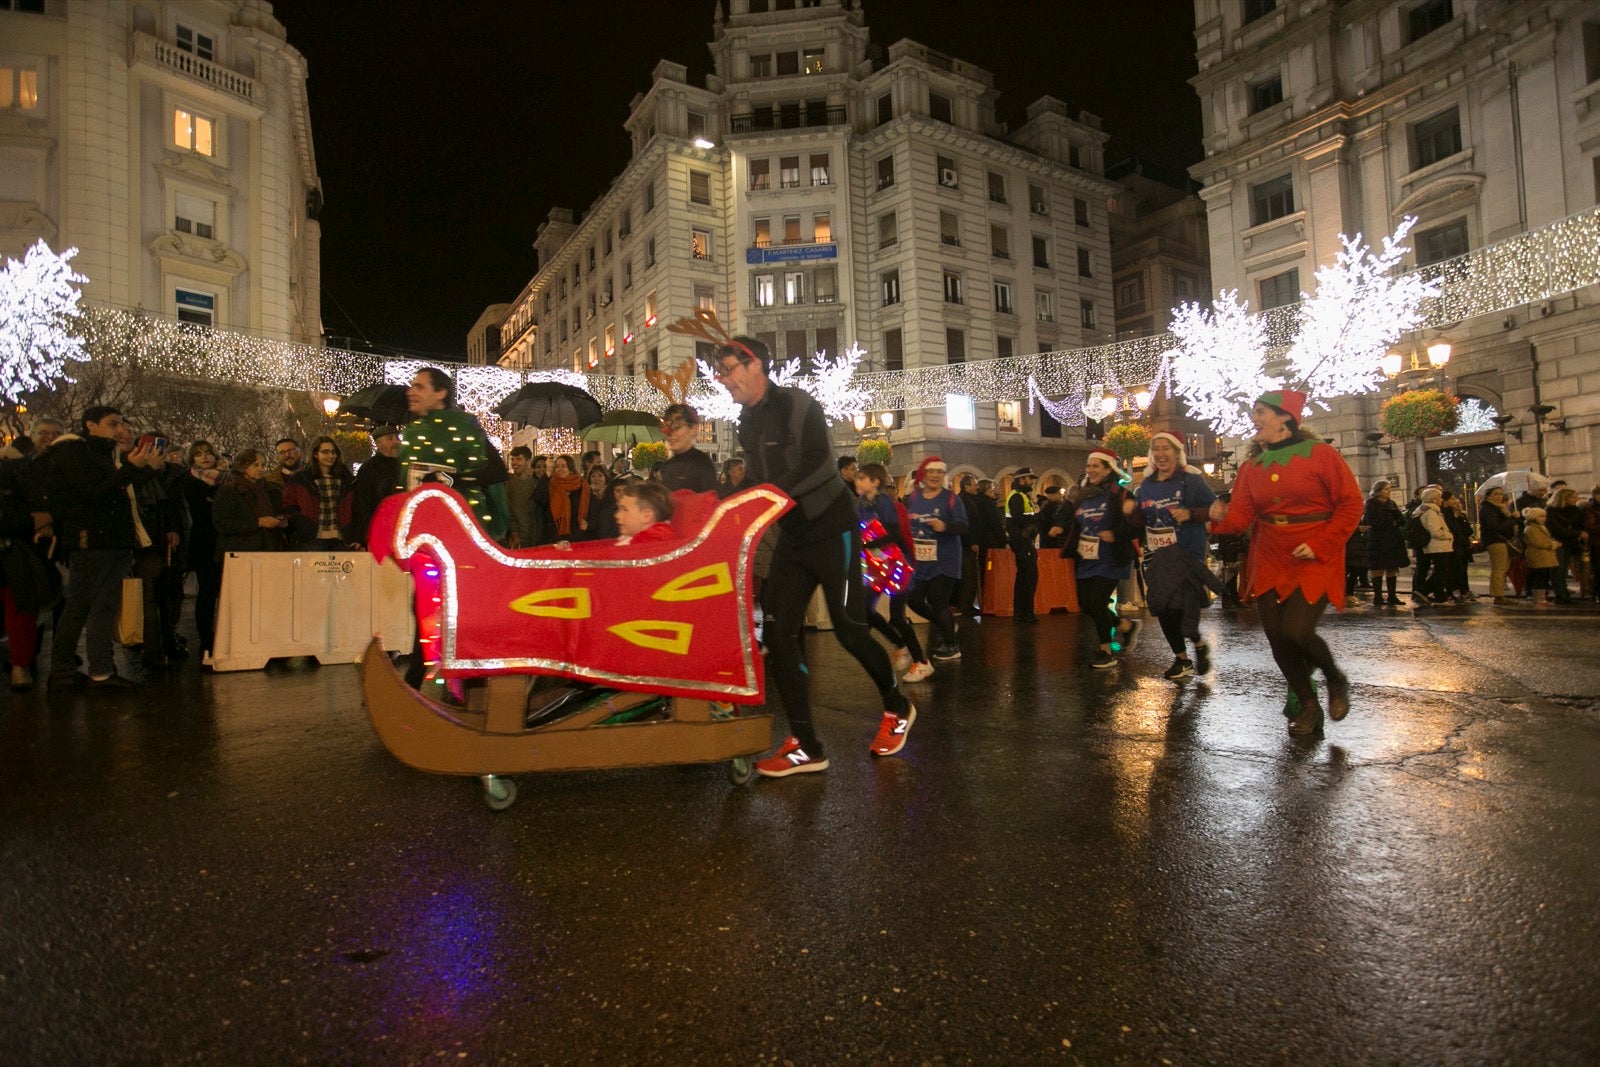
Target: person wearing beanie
[1174,506]
[1100,542]
[1022,532]
[1433,559]
[1299,502]
[1541,551]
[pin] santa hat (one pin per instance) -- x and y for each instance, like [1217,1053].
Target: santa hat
[1288,401]
[1110,459]
[931,463]
[1175,441]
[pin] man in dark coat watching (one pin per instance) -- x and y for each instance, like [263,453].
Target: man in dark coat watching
[89,493]
[377,478]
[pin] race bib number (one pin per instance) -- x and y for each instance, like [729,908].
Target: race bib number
[1161,537]
[927,551]
[1088,547]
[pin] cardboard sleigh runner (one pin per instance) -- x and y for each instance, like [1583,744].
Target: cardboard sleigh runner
[662,631]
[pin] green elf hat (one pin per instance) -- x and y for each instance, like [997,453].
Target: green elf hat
[1288,401]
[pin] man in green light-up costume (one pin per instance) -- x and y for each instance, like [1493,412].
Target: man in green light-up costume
[445,444]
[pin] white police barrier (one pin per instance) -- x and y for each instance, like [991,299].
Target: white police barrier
[322,604]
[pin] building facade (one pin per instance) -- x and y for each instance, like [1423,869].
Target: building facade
[1479,119]
[817,192]
[170,142]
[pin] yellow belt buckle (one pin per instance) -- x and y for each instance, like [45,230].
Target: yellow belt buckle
[1280,520]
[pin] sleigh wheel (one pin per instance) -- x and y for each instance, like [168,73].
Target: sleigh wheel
[499,793]
[741,770]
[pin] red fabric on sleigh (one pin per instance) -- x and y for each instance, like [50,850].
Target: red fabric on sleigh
[670,616]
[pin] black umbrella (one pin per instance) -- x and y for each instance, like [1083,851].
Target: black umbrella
[380,404]
[550,405]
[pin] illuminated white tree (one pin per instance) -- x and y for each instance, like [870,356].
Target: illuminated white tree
[831,386]
[1219,367]
[38,314]
[1361,307]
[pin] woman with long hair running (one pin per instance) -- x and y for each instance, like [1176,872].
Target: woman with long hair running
[1299,502]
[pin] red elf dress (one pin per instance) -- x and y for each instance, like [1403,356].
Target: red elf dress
[1298,492]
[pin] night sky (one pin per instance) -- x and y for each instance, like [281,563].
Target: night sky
[445,132]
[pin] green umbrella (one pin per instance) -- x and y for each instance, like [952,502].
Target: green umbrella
[624,429]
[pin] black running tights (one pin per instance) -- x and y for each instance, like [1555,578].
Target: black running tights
[1291,629]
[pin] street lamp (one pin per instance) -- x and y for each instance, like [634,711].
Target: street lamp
[330,405]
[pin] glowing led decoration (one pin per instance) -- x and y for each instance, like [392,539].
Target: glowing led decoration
[38,314]
[1361,306]
[1219,366]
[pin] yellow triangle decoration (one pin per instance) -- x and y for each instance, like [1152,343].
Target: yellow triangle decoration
[653,633]
[709,581]
[541,603]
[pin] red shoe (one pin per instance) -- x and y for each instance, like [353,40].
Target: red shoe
[790,759]
[892,731]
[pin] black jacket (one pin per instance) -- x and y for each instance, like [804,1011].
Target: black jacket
[690,469]
[86,492]
[377,478]
[785,442]
[233,513]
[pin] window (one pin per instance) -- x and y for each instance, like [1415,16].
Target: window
[588,306]
[195,133]
[770,339]
[1591,52]
[825,285]
[766,291]
[653,359]
[1004,347]
[1254,9]
[197,309]
[1271,200]
[999,242]
[1280,290]
[891,287]
[1044,306]
[577,320]
[760,175]
[1441,242]
[811,61]
[950,229]
[650,309]
[627,274]
[697,125]
[939,107]
[1086,314]
[699,187]
[594,351]
[893,350]
[199,44]
[820,168]
[1080,211]
[650,252]
[885,172]
[788,63]
[577,274]
[827,341]
[705,299]
[959,413]
[789,172]
[1130,292]
[1008,416]
[625,226]
[955,346]
[1438,137]
[762,236]
[945,169]
[794,287]
[19,89]
[700,244]
[1038,200]
[611,340]
[591,259]
[761,65]
[888,233]
[1048,426]
[1002,298]
[1085,264]
[1428,16]
[195,215]
[952,287]
[885,108]
[564,334]
[997,188]
[1041,252]
[1264,94]
[791,229]
[607,294]
[821,228]
[605,243]
[795,347]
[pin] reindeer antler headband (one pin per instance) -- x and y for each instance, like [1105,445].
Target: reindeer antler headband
[705,326]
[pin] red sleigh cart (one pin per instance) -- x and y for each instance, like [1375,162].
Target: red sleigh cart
[655,640]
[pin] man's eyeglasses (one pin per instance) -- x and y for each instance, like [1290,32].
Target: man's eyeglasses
[724,371]
[673,425]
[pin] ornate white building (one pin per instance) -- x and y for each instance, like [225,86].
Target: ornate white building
[1479,118]
[817,192]
[171,143]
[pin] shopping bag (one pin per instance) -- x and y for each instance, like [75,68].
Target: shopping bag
[130,618]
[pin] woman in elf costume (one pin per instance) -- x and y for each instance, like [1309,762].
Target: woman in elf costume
[1298,501]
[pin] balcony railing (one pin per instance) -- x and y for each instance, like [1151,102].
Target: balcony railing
[165,54]
[788,120]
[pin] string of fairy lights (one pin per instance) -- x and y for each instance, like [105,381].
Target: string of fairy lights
[1528,268]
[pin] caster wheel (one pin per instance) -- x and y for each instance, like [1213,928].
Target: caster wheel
[499,793]
[742,770]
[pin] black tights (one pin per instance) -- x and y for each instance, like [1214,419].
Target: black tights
[931,600]
[1291,629]
[798,570]
[1094,600]
[897,628]
[1172,629]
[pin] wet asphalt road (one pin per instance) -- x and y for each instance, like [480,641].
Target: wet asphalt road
[1064,865]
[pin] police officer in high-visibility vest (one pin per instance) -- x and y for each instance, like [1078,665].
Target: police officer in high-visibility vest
[1022,529]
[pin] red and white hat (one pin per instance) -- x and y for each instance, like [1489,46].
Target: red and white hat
[1173,439]
[1110,459]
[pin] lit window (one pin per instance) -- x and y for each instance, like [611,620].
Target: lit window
[700,244]
[821,228]
[952,287]
[193,132]
[812,61]
[791,229]
[891,287]
[650,309]
[794,288]
[195,215]
[611,341]
[198,309]
[760,174]
[763,231]
[1008,415]
[789,172]
[820,169]
[766,290]
[705,299]
[19,89]
[960,413]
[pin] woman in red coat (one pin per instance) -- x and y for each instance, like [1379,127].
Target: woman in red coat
[1299,502]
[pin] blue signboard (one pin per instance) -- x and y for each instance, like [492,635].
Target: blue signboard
[791,253]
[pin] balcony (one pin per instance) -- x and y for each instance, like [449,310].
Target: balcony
[168,56]
[787,120]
